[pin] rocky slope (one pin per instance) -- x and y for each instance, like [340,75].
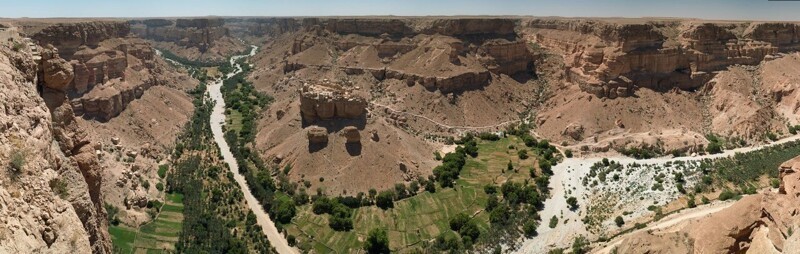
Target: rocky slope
[761,223]
[51,186]
[393,82]
[725,78]
[205,39]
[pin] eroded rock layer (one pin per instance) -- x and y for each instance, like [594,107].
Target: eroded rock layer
[611,58]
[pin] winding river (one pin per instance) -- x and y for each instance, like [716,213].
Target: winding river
[217,121]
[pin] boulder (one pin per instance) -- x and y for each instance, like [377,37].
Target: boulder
[574,130]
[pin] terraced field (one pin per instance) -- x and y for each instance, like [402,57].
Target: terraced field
[415,221]
[158,236]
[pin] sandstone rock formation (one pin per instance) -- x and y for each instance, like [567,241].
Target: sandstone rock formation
[611,58]
[327,100]
[317,135]
[109,68]
[351,134]
[200,32]
[449,55]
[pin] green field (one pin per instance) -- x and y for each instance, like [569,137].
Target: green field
[416,220]
[158,236]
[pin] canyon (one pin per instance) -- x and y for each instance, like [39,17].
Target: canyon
[360,105]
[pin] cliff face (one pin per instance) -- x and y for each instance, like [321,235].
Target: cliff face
[110,70]
[610,59]
[70,36]
[201,33]
[49,200]
[449,55]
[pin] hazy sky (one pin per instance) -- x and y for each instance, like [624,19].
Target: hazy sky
[708,9]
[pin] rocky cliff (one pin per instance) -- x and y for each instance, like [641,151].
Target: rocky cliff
[611,58]
[50,201]
[326,100]
[199,33]
[110,69]
[449,55]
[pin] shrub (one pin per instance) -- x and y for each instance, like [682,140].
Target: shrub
[579,245]
[690,202]
[437,155]
[377,241]
[18,160]
[619,221]
[572,202]
[553,222]
[430,186]
[490,189]
[529,228]
[705,200]
[523,154]
[568,153]
[775,183]
[162,170]
[59,187]
[510,166]
[726,194]
[146,185]
[714,148]
[489,136]
[18,46]
[160,186]
[771,136]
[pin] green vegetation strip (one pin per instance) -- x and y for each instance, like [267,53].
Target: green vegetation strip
[158,236]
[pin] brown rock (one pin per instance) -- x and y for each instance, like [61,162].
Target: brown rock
[351,134]
[317,135]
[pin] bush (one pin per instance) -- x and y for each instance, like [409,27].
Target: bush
[523,154]
[726,194]
[18,160]
[553,222]
[619,221]
[160,186]
[458,221]
[489,136]
[572,202]
[292,240]
[579,245]
[377,241]
[162,170]
[690,202]
[385,199]
[568,153]
[771,136]
[430,186]
[529,228]
[714,148]
[59,187]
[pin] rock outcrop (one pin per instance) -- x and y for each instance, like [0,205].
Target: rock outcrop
[68,37]
[611,59]
[317,135]
[107,69]
[51,202]
[326,100]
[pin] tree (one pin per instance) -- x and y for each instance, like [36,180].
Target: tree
[690,202]
[568,153]
[572,202]
[430,186]
[529,228]
[546,167]
[385,199]
[377,241]
[510,166]
[523,154]
[470,229]
[619,221]
[458,221]
[579,245]
[283,209]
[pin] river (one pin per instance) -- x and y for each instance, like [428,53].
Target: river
[566,181]
[217,121]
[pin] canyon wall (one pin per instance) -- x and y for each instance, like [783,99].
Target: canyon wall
[51,202]
[110,69]
[449,55]
[199,33]
[611,58]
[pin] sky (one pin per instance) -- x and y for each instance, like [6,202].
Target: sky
[786,10]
